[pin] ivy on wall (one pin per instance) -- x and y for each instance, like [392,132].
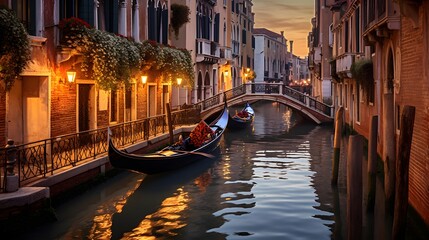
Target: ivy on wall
[112,59]
[15,52]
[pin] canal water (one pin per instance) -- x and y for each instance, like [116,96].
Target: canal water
[271,181]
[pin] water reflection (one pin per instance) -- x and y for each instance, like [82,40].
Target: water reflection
[271,181]
[154,209]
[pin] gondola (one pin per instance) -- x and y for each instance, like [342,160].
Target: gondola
[242,119]
[174,156]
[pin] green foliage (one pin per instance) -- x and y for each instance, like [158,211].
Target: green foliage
[15,52]
[112,60]
[180,15]
[362,72]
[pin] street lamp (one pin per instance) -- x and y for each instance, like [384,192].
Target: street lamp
[71,74]
[144,79]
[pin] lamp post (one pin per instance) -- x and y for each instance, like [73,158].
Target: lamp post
[179,81]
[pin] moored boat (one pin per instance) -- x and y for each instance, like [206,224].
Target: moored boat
[242,119]
[202,140]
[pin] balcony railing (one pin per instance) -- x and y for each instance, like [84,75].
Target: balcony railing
[207,47]
[344,63]
[226,53]
[40,159]
[385,14]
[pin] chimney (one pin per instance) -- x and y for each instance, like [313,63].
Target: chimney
[291,46]
[282,33]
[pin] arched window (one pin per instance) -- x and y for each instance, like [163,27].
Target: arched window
[151,20]
[164,25]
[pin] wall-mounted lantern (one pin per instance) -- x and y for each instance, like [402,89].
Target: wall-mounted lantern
[71,75]
[144,79]
[179,81]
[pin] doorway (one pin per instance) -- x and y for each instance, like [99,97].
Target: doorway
[86,106]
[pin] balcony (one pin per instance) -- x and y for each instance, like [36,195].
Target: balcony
[344,63]
[207,51]
[317,55]
[225,53]
[385,17]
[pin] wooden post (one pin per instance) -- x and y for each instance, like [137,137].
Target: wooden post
[354,188]
[389,150]
[337,145]
[169,122]
[372,162]
[402,167]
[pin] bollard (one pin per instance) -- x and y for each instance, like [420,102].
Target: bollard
[372,162]
[354,188]
[11,157]
[402,168]
[337,145]
[170,123]
[12,180]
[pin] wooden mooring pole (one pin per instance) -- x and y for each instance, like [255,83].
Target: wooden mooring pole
[354,188]
[169,122]
[337,145]
[372,162]
[402,167]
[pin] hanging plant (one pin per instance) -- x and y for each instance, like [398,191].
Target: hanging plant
[362,72]
[179,16]
[15,52]
[112,60]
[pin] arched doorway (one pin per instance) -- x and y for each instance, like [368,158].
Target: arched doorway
[199,87]
[206,85]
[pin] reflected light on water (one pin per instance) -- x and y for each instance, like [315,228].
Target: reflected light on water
[102,221]
[166,221]
[287,115]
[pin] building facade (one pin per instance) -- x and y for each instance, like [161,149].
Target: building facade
[378,54]
[218,36]
[271,56]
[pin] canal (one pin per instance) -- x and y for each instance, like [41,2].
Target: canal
[271,181]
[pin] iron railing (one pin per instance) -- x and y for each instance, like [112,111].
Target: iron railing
[39,159]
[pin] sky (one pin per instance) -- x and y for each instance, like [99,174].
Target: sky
[291,16]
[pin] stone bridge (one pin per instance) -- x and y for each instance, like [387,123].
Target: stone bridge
[311,108]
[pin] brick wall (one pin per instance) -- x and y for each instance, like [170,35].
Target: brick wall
[63,108]
[141,101]
[414,91]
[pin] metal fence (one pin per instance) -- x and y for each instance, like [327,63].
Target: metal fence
[39,159]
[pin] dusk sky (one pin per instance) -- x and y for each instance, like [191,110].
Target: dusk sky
[291,16]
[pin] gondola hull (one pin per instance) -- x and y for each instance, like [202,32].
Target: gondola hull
[167,160]
[235,122]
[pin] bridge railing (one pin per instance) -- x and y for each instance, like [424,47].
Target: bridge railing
[267,88]
[308,101]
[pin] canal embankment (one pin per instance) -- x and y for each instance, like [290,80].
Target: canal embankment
[32,204]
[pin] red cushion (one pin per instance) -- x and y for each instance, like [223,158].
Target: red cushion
[199,134]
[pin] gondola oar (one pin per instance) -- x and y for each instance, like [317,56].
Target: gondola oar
[207,155]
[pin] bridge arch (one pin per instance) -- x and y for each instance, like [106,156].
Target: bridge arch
[311,108]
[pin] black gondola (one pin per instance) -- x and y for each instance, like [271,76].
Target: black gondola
[171,157]
[242,119]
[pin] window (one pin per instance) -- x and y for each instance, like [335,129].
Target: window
[358,37]
[84,9]
[26,12]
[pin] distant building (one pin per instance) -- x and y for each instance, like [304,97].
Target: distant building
[271,56]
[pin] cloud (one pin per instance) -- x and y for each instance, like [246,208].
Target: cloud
[292,16]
